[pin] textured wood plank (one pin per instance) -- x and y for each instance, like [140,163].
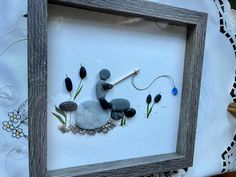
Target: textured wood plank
[137,8]
[125,168]
[195,44]
[37,86]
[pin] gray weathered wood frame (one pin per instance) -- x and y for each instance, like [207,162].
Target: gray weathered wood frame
[195,22]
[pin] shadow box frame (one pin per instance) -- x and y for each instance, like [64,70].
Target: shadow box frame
[195,23]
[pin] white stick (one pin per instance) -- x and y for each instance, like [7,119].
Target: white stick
[135,72]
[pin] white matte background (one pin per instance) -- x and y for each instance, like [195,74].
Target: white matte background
[100,41]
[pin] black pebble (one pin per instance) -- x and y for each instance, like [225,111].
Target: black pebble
[104,74]
[232,93]
[130,112]
[157,98]
[234,85]
[68,106]
[107,86]
[149,99]
[82,72]
[69,85]
[104,103]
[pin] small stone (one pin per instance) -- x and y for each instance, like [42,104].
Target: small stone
[117,115]
[62,129]
[100,92]
[104,74]
[105,130]
[90,115]
[130,112]
[120,104]
[107,86]
[175,91]
[104,103]
[68,106]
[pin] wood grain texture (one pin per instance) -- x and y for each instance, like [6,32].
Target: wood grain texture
[37,87]
[195,22]
[137,8]
[195,44]
[125,168]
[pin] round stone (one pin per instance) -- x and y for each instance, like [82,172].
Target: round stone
[120,104]
[130,112]
[117,115]
[68,106]
[104,74]
[90,115]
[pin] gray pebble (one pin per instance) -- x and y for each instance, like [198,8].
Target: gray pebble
[100,92]
[104,74]
[117,115]
[120,104]
[68,106]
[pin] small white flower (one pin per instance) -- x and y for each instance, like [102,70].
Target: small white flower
[14,116]
[8,126]
[17,133]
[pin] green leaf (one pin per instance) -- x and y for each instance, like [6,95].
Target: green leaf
[121,122]
[60,111]
[148,106]
[78,92]
[125,121]
[59,118]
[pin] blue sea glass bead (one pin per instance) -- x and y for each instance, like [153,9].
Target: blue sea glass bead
[174,91]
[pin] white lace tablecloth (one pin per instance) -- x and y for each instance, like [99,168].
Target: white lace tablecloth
[215,139]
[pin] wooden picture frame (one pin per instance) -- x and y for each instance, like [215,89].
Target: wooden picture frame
[195,22]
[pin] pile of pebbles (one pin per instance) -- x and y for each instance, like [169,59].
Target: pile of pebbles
[77,130]
[97,116]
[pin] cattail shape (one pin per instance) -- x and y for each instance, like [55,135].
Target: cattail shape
[149,99]
[157,98]
[68,83]
[82,72]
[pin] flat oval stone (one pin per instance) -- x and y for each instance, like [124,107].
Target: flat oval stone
[130,112]
[120,104]
[117,115]
[107,86]
[90,115]
[68,106]
[104,74]
[100,92]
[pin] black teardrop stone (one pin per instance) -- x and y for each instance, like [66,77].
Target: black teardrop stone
[82,72]
[149,99]
[157,98]
[68,83]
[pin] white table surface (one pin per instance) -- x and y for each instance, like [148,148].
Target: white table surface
[216,127]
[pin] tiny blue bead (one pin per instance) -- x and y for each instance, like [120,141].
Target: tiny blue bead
[174,91]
